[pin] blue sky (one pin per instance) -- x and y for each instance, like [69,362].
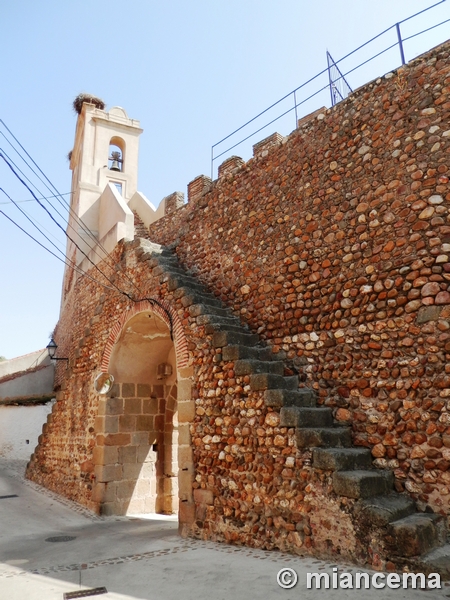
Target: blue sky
[191,72]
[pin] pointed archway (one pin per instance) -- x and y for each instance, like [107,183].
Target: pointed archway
[142,456]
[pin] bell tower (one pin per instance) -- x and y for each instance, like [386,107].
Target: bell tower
[104,164]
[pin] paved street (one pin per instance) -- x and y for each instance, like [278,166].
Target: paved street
[137,558]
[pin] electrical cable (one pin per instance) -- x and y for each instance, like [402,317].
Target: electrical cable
[33,223]
[58,225]
[67,207]
[56,256]
[151,300]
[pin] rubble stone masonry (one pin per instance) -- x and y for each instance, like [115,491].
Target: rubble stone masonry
[334,247]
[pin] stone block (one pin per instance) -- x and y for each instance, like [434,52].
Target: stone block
[150,406]
[127,454]
[99,424]
[105,473]
[185,457]
[128,390]
[184,390]
[106,455]
[117,439]
[142,488]
[428,313]
[111,424]
[144,390]
[139,438]
[150,504]
[108,509]
[184,434]
[132,406]
[110,491]
[186,412]
[186,513]
[203,497]
[127,423]
[125,489]
[98,492]
[131,471]
[185,373]
[158,391]
[145,454]
[148,470]
[136,506]
[114,406]
[144,423]
[158,423]
[102,407]
[185,479]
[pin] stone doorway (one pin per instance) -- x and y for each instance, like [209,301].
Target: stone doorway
[136,453]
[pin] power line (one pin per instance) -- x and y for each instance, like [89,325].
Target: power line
[68,206]
[33,223]
[71,212]
[33,200]
[58,225]
[56,256]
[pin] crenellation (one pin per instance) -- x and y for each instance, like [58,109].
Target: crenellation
[322,278]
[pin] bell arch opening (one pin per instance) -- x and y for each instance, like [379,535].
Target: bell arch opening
[136,452]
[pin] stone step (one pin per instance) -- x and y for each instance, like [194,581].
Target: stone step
[160,260]
[242,352]
[177,271]
[207,319]
[416,534]
[381,510]
[247,367]
[362,484]
[341,459]
[280,398]
[438,561]
[225,338]
[298,416]
[323,437]
[266,381]
[196,310]
[213,327]
[189,297]
[178,281]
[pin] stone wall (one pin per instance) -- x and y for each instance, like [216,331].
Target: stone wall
[134,467]
[334,245]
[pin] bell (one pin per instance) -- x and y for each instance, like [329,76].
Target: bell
[115,166]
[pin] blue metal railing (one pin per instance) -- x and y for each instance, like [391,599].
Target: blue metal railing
[331,84]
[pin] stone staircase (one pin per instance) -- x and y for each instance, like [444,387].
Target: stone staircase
[410,538]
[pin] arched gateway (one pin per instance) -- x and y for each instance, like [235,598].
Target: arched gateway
[137,442]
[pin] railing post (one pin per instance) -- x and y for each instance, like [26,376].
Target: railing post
[400,43]
[330,78]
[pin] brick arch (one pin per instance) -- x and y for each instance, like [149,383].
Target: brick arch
[179,338]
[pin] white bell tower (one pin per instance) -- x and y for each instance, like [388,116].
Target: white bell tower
[104,164]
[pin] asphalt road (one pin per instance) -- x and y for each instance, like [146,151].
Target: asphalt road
[137,558]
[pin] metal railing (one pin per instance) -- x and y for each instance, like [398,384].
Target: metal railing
[336,83]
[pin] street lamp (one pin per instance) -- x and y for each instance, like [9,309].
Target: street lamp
[51,349]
